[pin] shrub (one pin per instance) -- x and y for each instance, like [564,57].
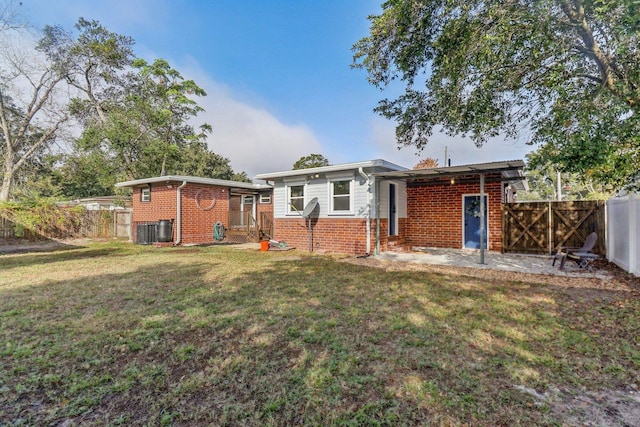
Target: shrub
[43,219]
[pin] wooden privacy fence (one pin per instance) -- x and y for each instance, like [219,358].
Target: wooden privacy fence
[103,223]
[90,223]
[543,227]
[8,230]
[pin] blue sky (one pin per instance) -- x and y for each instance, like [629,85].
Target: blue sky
[277,74]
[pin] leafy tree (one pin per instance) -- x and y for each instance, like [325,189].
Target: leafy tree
[197,160]
[34,88]
[10,17]
[135,116]
[427,163]
[85,174]
[94,64]
[30,116]
[311,161]
[566,72]
[542,176]
[241,177]
[36,179]
[146,122]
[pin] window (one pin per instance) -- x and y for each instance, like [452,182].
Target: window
[341,196]
[145,194]
[296,198]
[265,198]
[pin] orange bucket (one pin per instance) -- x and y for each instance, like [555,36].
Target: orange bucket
[264,245]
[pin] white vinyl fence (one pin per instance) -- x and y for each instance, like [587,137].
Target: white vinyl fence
[623,232]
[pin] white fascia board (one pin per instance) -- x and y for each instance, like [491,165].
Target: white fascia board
[194,180]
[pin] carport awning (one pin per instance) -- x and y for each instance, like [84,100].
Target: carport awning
[510,170]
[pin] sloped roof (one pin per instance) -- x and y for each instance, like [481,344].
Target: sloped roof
[379,163]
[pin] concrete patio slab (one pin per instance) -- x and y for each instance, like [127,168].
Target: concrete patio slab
[534,264]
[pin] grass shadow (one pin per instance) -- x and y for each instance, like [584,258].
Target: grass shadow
[19,246]
[51,255]
[223,336]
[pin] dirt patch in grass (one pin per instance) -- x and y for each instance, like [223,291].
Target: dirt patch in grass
[591,409]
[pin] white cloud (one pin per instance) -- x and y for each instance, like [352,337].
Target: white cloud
[254,140]
[383,144]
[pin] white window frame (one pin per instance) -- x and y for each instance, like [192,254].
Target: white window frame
[288,208]
[265,198]
[352,196]
[145,194]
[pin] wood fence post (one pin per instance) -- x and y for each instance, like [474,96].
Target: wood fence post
[609,237]
[550,227]
[633,231]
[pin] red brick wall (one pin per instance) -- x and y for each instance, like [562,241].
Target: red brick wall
[384,232]
[198,216]
[335,235]
[264,207]
[161,206]
[435,214]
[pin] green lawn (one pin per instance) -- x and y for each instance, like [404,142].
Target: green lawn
[118,334]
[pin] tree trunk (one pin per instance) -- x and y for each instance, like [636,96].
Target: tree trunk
[7,167]
[7,180]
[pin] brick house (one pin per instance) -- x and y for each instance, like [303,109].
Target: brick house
[376,206]
[361,208]
[193,206]
[347,217]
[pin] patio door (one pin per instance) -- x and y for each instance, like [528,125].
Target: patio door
[392,210]
[471,217]
[248,209]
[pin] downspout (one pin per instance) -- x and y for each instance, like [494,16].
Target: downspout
[178,213]
[377,212]
[482,217]
[368,222]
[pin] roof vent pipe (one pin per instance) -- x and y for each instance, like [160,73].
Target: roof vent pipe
[178,213]
[368,222]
